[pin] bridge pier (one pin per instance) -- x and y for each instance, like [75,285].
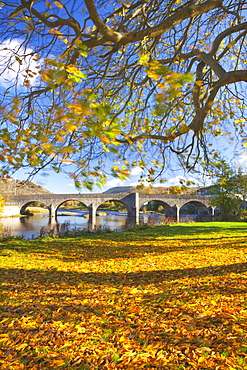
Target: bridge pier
[52,211]
[92,216]
[177,209]
[212,211]
[133,207]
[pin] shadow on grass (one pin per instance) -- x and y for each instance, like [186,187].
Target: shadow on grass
[192,229]
[48,299]
[140,278]
[131,244]
[103,250]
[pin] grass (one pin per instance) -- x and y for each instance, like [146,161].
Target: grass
[166,297]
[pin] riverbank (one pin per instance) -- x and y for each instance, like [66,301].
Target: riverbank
[165,297]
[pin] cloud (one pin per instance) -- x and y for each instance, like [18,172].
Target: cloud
[114,182]
[133,181]
[143,182]
[171,182]
[176,180]
[242,160]
[15,62]
[136,171]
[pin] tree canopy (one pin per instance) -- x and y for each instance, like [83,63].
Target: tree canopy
[95,84]
[229,191]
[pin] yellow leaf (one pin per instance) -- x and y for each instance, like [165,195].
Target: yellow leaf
[71,69]
[144,59]
[104,139]
[58,4]
[57,363]
[79,109]
[54,32]
[201,359]
[152,74]
[21,347]
[199,83]
[134,291]
[46,76]
[4,338]
[240,120]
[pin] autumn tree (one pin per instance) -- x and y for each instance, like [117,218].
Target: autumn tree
[88,83]
[229,191]
[175,189]
[2,204]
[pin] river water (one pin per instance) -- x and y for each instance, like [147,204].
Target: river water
[32,226]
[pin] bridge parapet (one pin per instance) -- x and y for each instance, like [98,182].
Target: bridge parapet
[175,200]
[132,201]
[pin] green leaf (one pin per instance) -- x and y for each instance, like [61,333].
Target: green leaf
[143,60]
[82,52]
[74,78]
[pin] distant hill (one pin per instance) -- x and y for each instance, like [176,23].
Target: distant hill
[121,189]
[133,189]
[151,190]
[20,187]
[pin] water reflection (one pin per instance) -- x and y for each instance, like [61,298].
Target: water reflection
[31,227]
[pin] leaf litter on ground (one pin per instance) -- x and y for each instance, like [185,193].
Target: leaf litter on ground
[166,297]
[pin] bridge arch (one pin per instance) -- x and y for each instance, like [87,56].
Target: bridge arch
[69,200]
[174,203]
[126,205]
[24,206]
[167,207]
[166,202]
[199,205]
[201,208]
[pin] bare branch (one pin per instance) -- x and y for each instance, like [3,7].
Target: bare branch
[183,13]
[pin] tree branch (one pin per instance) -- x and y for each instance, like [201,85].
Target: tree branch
[227,32]
[52,24]
[102,28]
[183,13]
[197,123]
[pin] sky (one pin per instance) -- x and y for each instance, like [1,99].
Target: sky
[61,183]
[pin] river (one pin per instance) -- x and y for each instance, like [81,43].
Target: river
[32,226]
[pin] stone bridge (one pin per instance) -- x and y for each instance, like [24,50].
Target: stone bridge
[132,202]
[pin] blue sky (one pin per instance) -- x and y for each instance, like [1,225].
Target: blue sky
[61,183]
